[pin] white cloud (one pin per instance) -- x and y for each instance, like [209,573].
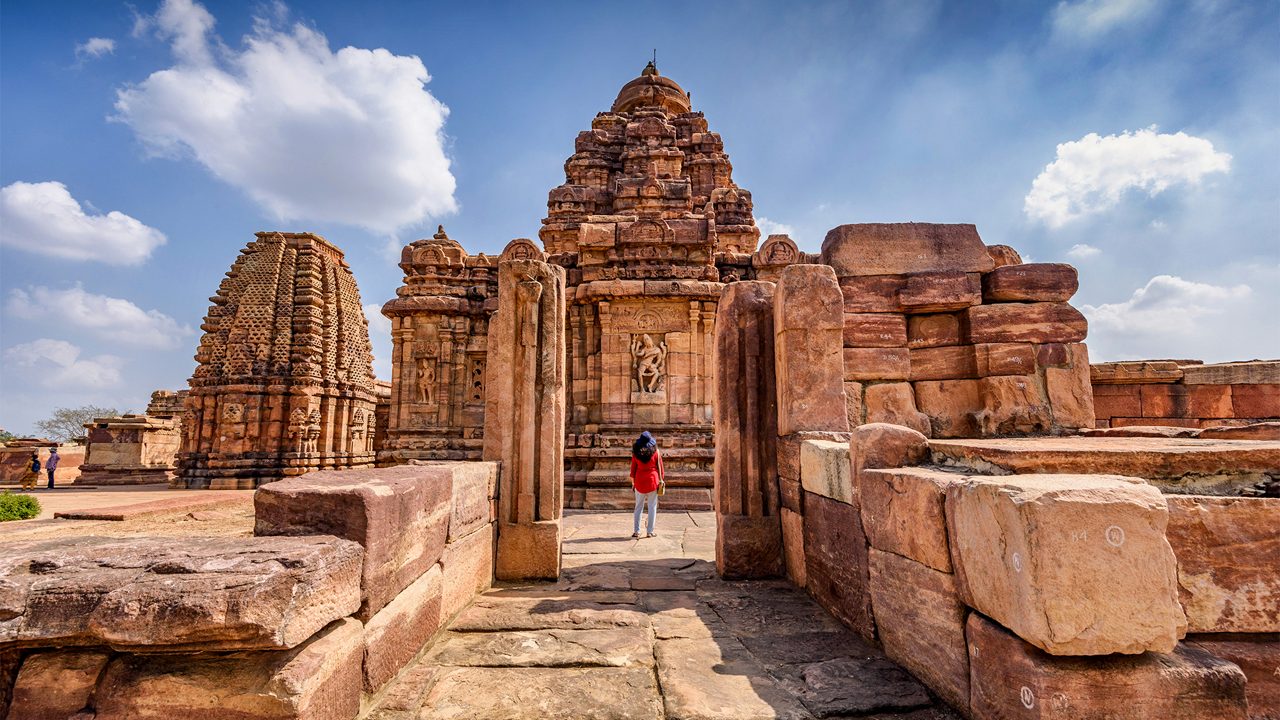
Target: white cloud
[110,318]
[1092,174]
[1171,317]
[1087,19]
[769,227]
[1083,251]
[379,324]
[43,218]
[57,364]
[95,47]
[350,136]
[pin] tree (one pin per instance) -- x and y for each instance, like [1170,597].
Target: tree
[67,424]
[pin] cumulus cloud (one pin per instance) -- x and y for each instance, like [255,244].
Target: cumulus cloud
[1087,19]
[95,47]
[769,227]
[350,136]
[379,324]
[57,364]
[43,218]
[106,317]
[1092,174]
[1083,251]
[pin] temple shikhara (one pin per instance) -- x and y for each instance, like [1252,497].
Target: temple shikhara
[956,513]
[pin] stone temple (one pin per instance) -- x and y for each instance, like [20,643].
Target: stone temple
[285,379]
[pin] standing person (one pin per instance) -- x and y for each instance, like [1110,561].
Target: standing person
[51,464]
[647,476]
[32,475]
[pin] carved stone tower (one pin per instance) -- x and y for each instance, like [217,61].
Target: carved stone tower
[285,380]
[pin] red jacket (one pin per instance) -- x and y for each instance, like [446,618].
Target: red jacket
[645,476]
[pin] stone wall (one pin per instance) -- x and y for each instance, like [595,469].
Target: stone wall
[1184,393]
[15,461]
[350,576]
[954,339]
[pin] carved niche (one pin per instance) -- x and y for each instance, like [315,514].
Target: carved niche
[650,362]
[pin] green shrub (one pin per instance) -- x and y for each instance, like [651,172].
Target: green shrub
[18,507]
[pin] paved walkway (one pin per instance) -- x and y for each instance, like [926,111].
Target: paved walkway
[643,629]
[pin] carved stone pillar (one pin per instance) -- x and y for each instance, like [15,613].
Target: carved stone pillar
[748,528]
[524,416]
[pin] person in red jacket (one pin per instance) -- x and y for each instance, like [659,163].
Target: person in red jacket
[646,475]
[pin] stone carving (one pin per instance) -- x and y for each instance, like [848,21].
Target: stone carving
[524,418]
[651,362]
[285,324]
[426,374]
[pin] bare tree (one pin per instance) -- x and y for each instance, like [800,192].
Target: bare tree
[67,424]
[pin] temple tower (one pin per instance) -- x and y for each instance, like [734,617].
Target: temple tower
[285,380]
[648,224]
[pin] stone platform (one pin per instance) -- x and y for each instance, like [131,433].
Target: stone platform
[1177,465]
[643,629]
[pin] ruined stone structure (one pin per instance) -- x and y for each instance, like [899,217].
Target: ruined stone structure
[136,449]
[648,226]
[285,380]
[1186,393]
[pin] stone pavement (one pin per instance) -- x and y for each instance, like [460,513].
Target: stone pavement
[643,629]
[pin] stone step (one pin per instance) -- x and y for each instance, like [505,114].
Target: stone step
[623,498]
[1212,467]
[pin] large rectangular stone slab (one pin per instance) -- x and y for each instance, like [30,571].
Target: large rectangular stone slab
[56,684]
[718,679]
[319,680]
[808,317]
[875,330]
[467,564]
[1259,657]
[903,512]
[396,634]
[1228,551]
[217,593]
[749,547]
[904,248]
[471,507]
[614,647]
[920,620]
[399,515]
[940,291]
[1041,322]
[1074,564]
[1030,282]
[824,469]
[1011,679]
[592,693]
[836,573]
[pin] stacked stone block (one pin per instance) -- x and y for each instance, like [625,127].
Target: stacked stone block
[953,339]
[348,579]
[1184,393]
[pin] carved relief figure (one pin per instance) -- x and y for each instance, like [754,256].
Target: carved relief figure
[426,379]
[312,442]
[651,362]
[298,429]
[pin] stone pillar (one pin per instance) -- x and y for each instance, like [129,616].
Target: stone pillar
[748,529]
[524,416]
[808,317]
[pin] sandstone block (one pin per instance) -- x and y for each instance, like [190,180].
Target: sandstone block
[1003,255]
[1054,355]
[1007,359]
[467,566]
[1070,395]
[921,621]
[1041,322]
[875,330]
[1258,656]
[1030,282]
[399,630]
[1252,431]
[1187,401]
[943,363]
[319,680]
[940,291]
[528,551]
[894,404]
[935,330]
[1117,401]
[853,403]
[878,445]
[748,547]
[56,684]
[399,515]
[824,469]
[952,406]
[471,506]
[876,364]
[1074,564]
[1255,372]
[902,513]
[793,546]
[557,693]
[808,317]
[789,450]
[1228,551]
[1012,404]
[1255,401]
[219,593]
[872,293]
[902,248]
[1135,372]
[836,570]
[1011,679]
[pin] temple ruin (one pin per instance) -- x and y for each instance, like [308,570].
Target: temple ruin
[284,383]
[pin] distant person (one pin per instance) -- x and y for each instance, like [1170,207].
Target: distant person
[51,465]
[32,476]
[648,479]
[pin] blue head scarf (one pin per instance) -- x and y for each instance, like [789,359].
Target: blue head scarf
[646,443]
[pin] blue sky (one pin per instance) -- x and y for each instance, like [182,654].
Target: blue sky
[142,145]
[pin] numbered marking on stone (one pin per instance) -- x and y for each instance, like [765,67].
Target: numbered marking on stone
[1017,562]
[1028,698]
[1115,536]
